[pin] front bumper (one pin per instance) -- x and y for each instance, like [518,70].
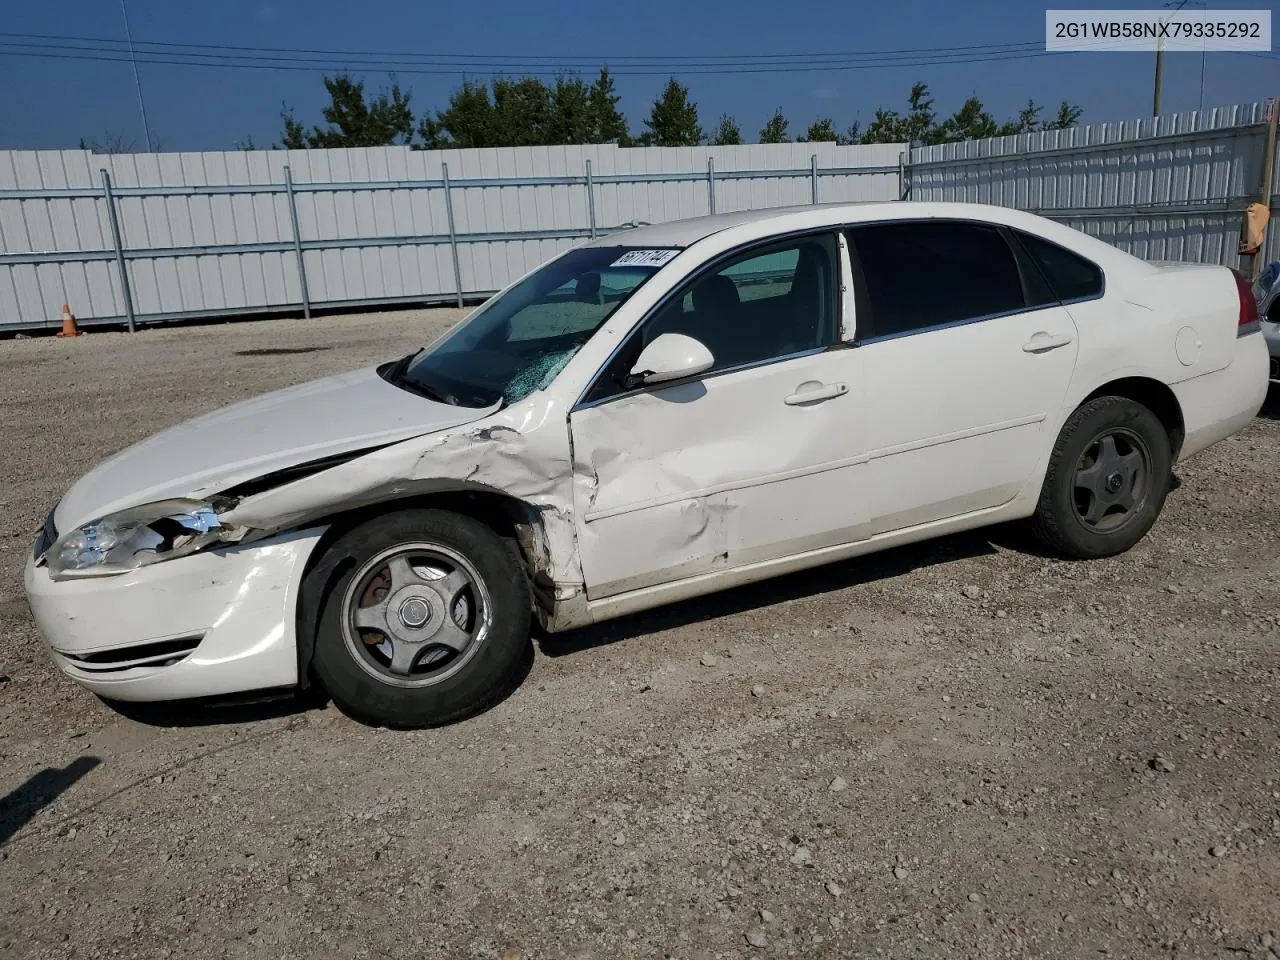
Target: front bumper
[210,624]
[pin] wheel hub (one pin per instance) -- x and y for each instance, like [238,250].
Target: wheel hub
[415,612]
[1111,480]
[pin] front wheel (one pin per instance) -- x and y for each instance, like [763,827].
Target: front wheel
[428,623]
[1107,479]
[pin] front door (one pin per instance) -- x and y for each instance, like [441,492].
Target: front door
[755,459]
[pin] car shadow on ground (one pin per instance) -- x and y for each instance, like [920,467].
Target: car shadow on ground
[221,711]
[19,807]
[807,583]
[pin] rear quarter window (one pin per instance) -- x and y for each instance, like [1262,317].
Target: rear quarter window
[1069,275]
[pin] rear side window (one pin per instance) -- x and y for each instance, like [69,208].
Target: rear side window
[921,275]
[1071,277]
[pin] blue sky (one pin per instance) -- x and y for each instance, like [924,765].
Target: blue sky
[53,103]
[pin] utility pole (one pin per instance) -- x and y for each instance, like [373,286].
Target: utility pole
[1155,104]
[137,81]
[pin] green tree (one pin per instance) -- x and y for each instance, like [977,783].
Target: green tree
[673,120]
[885,127]
[888,126]
[609,125]
[775,131]
[110,143]
[467,122]
[1068,116]
[1027,121]
[519,112]
[571,119]
[970,122]
[821,131]
[354,120]
[920,117]
[522,112]
[728,134]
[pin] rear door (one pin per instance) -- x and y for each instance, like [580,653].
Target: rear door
[967,355]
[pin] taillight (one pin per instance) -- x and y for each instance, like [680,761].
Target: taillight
[1248,306]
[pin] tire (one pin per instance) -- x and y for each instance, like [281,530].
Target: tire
[428,622]
[1082,512]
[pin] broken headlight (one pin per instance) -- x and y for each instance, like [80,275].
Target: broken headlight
[137,537]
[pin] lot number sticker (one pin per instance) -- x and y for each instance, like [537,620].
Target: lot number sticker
[645,258]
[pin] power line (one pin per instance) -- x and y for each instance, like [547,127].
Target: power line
[488,58]
[51,46]
[445,69]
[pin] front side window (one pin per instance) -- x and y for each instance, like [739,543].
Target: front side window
[518,342]
[920,275]
[768,303]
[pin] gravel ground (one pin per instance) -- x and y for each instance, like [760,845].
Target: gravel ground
[960,749]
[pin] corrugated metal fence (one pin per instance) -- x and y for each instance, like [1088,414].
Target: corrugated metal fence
[165,236]
[1164,188]
[202,234]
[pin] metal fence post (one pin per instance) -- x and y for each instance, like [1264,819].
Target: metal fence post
[711,183]
[453,235]
[591,201]
[813,176]
[904,175]
[297,242]
[125,293]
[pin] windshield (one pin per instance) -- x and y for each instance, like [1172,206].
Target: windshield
[518,342]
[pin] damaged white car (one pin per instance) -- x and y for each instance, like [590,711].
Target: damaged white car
[653,415]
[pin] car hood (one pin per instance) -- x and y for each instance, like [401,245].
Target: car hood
[322,418]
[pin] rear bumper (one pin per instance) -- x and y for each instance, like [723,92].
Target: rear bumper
[1219,404]
[215,623]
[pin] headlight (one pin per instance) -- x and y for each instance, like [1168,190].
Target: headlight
[136,537]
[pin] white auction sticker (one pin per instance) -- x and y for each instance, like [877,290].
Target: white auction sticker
[645,258]
[1172,30]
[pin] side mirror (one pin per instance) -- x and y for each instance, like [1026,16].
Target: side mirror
[670,357]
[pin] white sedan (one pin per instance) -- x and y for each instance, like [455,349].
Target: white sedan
[656,414]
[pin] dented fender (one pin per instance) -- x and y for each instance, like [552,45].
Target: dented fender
[520,452]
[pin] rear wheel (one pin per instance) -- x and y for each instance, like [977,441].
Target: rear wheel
[1107,479]
[429,622]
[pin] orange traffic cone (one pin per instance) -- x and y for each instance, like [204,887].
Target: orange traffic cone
[69,328]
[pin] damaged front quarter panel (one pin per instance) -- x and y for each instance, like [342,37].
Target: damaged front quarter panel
[520,453]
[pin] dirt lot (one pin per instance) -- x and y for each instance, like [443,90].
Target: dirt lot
[944,751]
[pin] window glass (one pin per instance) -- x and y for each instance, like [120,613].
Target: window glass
[1072,277]
[762,305]
[920,275]
[768,303]
[518,342]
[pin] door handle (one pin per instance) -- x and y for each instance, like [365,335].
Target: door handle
[1042,342]
[813,392]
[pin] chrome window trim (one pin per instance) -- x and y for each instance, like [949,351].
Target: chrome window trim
[840,228]
[968,321]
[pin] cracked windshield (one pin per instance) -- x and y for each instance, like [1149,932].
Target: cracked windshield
[520,341]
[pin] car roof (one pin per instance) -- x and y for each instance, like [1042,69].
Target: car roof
[685,233]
